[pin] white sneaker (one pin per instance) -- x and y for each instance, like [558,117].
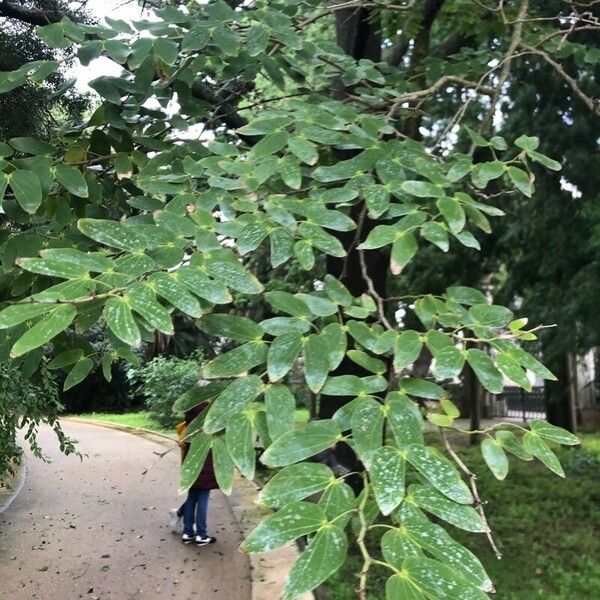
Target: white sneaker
[175,520]
[187,539]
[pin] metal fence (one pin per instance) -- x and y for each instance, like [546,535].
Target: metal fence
[516,403]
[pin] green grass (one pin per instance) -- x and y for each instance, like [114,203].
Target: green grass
[543,525]
[134,419]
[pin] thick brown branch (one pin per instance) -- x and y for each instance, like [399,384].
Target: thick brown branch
[32,16]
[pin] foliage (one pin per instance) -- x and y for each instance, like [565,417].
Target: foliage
[141,419]
[542,527]
[128,218]
[26,403]
[161,381]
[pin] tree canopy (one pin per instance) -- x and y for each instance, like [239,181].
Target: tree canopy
[244,128]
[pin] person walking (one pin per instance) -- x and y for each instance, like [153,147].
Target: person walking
[195,508]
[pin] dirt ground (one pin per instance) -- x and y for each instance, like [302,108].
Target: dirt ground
[99,528]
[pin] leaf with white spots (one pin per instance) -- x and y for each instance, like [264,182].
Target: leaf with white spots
[387,472]
[553,433]
[495,458]
[119,319]
[405,419]
[367,428]
[240,443]
[399,587]
[536,446]
[194,461]
[236,361]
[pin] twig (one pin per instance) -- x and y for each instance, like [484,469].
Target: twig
[473,485]
[364,527]
[378,299]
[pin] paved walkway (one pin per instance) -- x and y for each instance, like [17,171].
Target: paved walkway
[98,529]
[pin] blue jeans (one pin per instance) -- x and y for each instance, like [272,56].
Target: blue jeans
[197,502]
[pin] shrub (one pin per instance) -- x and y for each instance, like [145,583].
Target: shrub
[161,381]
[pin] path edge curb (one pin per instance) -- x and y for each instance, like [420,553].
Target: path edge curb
[267,571]
[21,476]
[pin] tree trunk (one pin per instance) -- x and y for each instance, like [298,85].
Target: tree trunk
[558,411]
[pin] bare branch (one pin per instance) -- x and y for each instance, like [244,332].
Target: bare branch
[32,16]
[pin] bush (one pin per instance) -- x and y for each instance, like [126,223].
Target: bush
[161,381]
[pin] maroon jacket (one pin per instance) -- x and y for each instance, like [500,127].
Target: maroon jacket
[206,479]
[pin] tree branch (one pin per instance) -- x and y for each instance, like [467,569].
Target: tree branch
[33,16]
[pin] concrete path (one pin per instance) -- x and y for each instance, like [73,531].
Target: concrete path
[99,529]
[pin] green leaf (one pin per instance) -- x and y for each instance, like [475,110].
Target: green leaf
[510,442]
[240,443]
[68,357]
[491,315]
[336,341]
[367,362]
[20,313]
[405,419]
[233,327]
[78,373]
[166,50]
[544,160]
[535,445]
[257,39]
[525,359]
[72,179]
[316,361]
[29,145]
[270,144]
[294,483]
[377,199]
[53,268]
[290,172]
[226,268]
[142,300]
[453,212]
[304,150]
[449,362]
[367,429]
[232,401]
[112,233]
[324,555]
[282,354]
[460,515]
[466,295]
[56,321]
[286,525]
[553,433]
[236,361]
[295,446]
[27,190]
[521,181]
[439,472]
[338,499]
[167,286]
[486,372]
[399,587]
[437,234]
[422,189]
[197,395]
[510,368]
[527,142]
[223,464]
[495,458]
[336,291]
[120,321]
[407,348]
[421,388]
[53,35]
[287,303]
[194,461]
[387,471]
[403,249]
[379,236]
[438,581]
[440,420]
[396,546]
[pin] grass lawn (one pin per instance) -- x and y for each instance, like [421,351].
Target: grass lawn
[134,419]
[547,528]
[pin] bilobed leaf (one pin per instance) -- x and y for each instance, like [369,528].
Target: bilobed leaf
[338,499]
[404,419]
[304,150]
[68,357]
[257,39]
[440,473]
[269,144]
[78,373]
[316,361]
[288,303]
[336,341]
[536,446]
[301,444]
[421,388]
[53,268]
[294,483]
[525,359]
[283,351]
[56,321]
[72,179]
[460,515]
[510,368]
[387,471]
[233,327]
[143,301]
[407,348]
[322,307]
[194,461]
[336,291]
[119,319]
[491,315]
[236,361]
[437,234]
[240,443]
[553,433]
[225,268]
[403,249]
[197,395]
[521,181]
[27,190]
[527,142]
[232,401]
[223,464]
[286,525]
[379,236]
[367,429]
[324,555]
[112,233]
[486,372]
[396,546]
[367,362]
[289,168]
[466,295]
[30,145]
[422,189]
[167,286]
[495,458]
